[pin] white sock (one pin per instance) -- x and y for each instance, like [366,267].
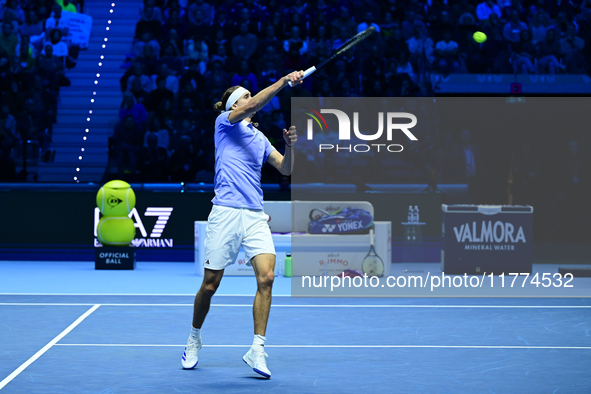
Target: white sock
[259,342]
[195,333]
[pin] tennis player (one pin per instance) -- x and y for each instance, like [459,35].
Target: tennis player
[237,217]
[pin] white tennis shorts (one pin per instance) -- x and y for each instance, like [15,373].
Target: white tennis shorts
[228,229]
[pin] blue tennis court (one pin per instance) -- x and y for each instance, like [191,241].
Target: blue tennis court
[67,341]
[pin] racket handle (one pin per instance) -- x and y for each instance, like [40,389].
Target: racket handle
[306,73]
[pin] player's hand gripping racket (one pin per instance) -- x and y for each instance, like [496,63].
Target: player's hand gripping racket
[356,39]
[372,263]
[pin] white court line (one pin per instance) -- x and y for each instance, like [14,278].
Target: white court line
[313,306]
[132,295]
[339,346]
[47,347]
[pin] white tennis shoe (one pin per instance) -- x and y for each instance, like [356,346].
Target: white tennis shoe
[190,359]
[256,360]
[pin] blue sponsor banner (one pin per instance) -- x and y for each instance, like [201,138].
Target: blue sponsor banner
[487,238]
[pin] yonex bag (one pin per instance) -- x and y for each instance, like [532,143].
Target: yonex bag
[344,221]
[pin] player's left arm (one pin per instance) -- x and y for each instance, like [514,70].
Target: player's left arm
[284,163]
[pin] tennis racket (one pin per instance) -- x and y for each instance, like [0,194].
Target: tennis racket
[356,39]
[372,264]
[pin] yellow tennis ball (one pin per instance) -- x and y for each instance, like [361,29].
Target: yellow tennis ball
[479,37]
[115,198]
[115,230]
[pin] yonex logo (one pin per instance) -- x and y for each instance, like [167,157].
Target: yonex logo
[328,228]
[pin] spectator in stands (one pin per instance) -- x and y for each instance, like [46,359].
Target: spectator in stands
[561,25]
[149,60]
[269,67]
[168,58]
[183,165]
[159,94]
[196,49]
[149,24]
[367,22]
[56,21]
[197,26]
[245,18]
[447,54]
[440,25]
[130,107]
[194,77]
[244,45]
[206,11]
[13,13]
[172,81]
[146,39]
[548,52]
[161,132]
[153,162]
[513,28]
[188,111]
[524,53]
[33,27]
[31,126]
[66,5]
[51,71]
[207,172]
[156,11]
[138,75]
[420,48]
[216,77]
[60,48]
[344,22]
[244,73]
[8,134]
[8,40]
[174,22]
[128,137]
[187,129]
[222,24]
[487,7]
[373,68]
[539,26]
[294,39]
[412,21]
[24,64]
[571,48]
[270,40]
[278,25]
[462,8]
[139,94]
[493,26]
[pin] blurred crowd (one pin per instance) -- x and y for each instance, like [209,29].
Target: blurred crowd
[186,53]
[35,54]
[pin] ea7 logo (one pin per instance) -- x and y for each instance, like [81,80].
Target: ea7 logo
[328,228]
[345,124]
[163,214]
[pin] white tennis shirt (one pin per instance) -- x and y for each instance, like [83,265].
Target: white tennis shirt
[240,151]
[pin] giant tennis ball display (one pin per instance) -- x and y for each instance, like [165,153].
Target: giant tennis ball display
[479,37]
[115,198]
[115,230]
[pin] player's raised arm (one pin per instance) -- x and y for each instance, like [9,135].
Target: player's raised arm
[263,97]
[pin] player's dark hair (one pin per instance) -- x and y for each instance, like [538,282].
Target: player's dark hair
[220,106]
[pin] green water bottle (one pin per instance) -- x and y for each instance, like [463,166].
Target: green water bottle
[287,265]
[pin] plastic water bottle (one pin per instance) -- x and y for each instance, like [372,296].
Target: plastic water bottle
[410,214]
[416,219]
[287,265]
